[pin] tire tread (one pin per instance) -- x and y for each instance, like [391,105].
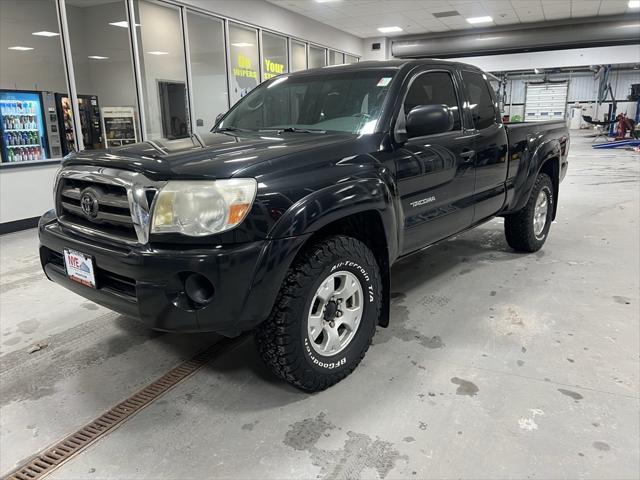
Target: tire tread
[277,345]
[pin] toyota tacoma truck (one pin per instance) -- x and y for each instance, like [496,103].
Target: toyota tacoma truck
[286,217]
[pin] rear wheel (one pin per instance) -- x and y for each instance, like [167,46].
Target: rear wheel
[527,229]
[325,315]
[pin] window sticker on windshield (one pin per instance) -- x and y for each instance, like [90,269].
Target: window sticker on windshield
[384,81]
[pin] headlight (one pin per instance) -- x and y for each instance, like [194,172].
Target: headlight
[198,208]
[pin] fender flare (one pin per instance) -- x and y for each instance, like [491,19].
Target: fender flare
[544,152]
[335,202]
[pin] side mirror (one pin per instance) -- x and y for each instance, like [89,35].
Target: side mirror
[218,118]
[429,120]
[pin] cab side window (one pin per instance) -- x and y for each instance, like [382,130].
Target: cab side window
[434,88]
[482,108]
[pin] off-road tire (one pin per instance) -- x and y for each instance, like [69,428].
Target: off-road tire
[282,339]
[518,227]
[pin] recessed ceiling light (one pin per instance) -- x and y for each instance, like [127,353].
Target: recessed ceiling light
[474,20]
[158,52]
[122,23]
[97,57]
[389,29]
[21,49]
[44,33]
[242,44]
[634,4]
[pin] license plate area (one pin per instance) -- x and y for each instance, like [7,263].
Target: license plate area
[79,268]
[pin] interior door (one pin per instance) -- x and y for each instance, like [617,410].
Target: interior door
[435,173]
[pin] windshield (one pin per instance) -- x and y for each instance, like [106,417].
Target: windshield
[343,102]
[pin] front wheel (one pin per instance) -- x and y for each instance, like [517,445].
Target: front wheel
[325,315]
[527,229]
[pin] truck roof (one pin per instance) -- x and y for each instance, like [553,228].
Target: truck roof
[395,64]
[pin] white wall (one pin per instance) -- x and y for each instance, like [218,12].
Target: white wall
[26,192]
[369,54]
[557,58]
[272,17]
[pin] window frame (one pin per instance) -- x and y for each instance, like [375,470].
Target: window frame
[399,130]
[497,117]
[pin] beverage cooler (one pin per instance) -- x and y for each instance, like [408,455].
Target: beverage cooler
[29,126]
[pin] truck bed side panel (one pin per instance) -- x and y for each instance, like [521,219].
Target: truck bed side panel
[530,145]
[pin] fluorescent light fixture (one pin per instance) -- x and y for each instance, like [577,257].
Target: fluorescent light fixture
[122,23]
[475,20]
[44,33]
[389,29]
[634,4]
[21,49]
[97,57]
[242,44]
[326,1]
[158,52]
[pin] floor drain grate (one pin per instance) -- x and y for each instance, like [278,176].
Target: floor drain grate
[49,459]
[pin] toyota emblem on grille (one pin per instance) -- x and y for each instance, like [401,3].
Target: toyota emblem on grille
[89,204]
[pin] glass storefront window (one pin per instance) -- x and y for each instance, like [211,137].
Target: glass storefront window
[274,55]
[245,62]
[163,70]
[335,58]
[298,55]
[31,76]
[101,52]
[317,57]
[208,69]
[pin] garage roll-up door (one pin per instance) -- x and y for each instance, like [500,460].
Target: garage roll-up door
[546,101]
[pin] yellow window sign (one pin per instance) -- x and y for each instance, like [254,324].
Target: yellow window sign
[244,68]
[271,69]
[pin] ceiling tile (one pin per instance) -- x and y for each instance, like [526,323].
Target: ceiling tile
[585,8]
[611,7]
[363,17]
[493,6]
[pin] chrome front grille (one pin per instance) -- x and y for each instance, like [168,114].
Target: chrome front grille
[107,202]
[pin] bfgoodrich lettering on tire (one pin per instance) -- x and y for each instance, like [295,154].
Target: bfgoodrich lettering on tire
[325,314]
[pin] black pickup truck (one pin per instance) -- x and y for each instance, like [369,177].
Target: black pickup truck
[286,218]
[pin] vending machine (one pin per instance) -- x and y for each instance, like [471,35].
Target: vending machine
[90,122]
[24,127]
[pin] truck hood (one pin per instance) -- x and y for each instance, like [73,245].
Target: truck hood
[211,155]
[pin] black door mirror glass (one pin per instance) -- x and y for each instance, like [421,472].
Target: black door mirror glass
[429,120]
[218,118]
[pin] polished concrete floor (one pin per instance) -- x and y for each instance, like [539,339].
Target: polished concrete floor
[496,365]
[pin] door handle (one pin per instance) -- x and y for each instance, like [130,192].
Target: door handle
[468,155]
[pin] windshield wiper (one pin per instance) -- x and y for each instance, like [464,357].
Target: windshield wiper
[293,130]
[229,130]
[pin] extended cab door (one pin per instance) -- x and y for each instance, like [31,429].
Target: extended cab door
[489,143]
[435,173]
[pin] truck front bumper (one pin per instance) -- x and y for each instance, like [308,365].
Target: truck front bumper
[148,283]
